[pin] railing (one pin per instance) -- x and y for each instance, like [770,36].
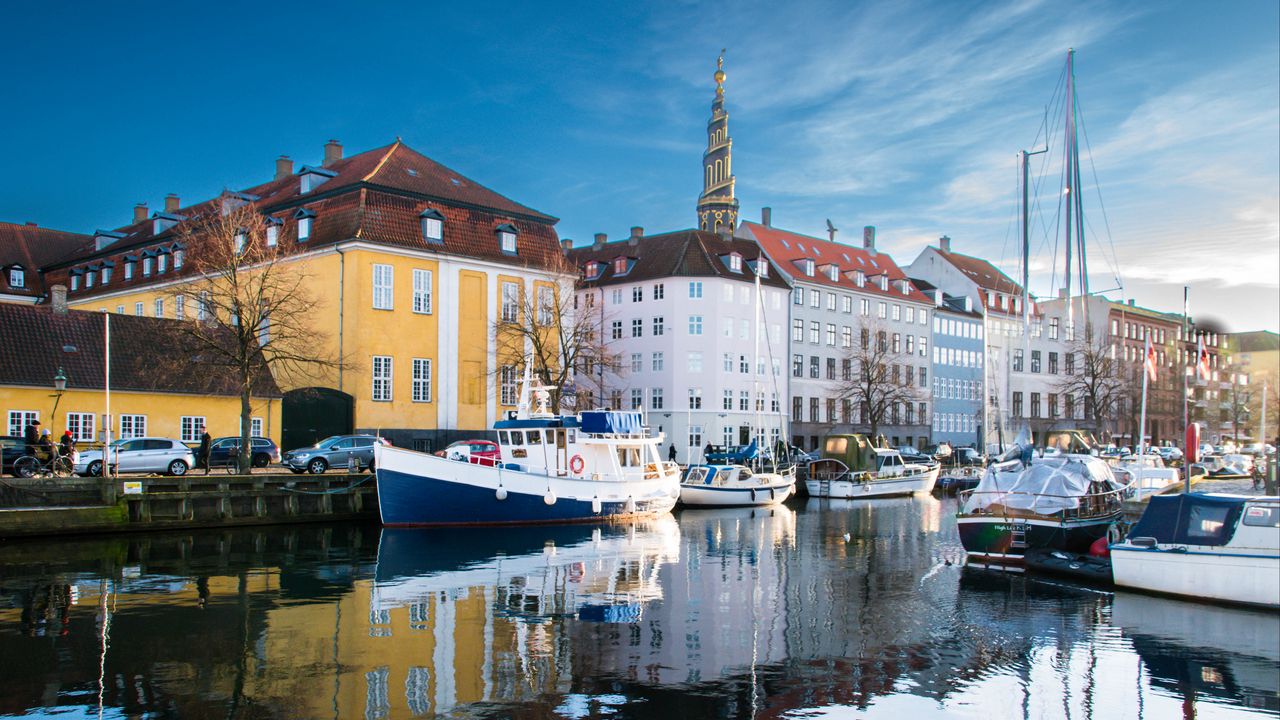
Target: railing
[1090,505]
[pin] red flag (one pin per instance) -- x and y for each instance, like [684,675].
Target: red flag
[1149,361]
[1202,359]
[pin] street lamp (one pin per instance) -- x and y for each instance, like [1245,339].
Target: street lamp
[59,386]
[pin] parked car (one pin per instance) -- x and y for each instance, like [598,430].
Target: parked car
[223,450]
[941,451]
[334,452]
[1168,453]
[910,454]
[12,447]
[478,452]
[132,455]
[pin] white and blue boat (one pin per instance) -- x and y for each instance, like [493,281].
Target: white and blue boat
[735,486]
[595,466]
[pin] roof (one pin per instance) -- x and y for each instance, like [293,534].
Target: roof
[34,247]
[1148,313]
[788,249]
[1256,341]
[982,272]
[683,253]
[74,341]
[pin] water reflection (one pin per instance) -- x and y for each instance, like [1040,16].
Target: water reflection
[821,607]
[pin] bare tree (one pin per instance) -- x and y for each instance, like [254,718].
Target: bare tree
[561,333]
[253,314]
[874,380]
[1099,382]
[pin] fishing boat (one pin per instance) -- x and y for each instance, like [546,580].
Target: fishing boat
[1061,501]
[852,467]
[734,486]
[594,466]
[1204,546]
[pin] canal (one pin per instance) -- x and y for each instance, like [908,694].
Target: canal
[820,609]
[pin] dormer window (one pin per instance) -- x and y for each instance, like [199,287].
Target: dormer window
[273,232]
[17,277]
[75,279]
[860,278]
[89,276]
[808,267]
[304,218]
[103,238]
[593,270]
[833,273]
[735,262]
[163,221]
[313,177]
[884,282]
[242,239]
[762,267]
[179,255]
[147,261]
[233,200]
[507,238]
[106,272]
[129,262]
[162,260]
[432,226]
[620,266]
[906,288]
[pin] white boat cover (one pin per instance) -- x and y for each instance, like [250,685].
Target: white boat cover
[1049,485]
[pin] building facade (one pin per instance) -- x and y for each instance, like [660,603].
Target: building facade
[958,360]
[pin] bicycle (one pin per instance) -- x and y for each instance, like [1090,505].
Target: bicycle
[30,466]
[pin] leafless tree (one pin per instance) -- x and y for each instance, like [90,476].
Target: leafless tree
[561,333]
[874,381]
[1099,382]
[249,304]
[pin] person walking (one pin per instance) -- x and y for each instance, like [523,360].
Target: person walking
[671,453]
[202,456]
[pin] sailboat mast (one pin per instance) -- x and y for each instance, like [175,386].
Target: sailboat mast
[1069,152]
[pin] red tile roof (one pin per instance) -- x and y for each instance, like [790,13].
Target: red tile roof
[683,253]
[988,277]
[34,247]
[789,249]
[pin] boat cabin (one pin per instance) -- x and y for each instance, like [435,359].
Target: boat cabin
[1208,520]
[1071,442]
[716,474]
[597,444]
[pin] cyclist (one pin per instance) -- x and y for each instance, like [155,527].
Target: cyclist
[45,446]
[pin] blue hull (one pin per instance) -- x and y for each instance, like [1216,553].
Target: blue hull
[410,500]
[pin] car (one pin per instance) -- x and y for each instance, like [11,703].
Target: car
[910,454]
[968,456]
[336,451]
[132,455]
[478,452]
[1168,453]
[941,451]
[12,447]
[222,451]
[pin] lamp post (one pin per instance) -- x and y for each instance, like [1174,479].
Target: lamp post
[59,387]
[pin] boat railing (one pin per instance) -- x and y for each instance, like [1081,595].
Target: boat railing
[1090,505]
[658,470]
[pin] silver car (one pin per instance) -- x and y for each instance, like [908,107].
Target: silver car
[334,452]
[134,455]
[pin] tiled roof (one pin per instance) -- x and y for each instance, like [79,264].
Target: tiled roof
[34,247]
[683,253]
[983,273]
[789,249]
[146,354]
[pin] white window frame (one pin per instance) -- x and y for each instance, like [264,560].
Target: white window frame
[189,428]
[255,427]
[381,378]
[383,287]
[273,237]
[695,324]
[20,419]
[180,307]
[508,241]
[138,309]
[133,426]
[508,393]
[159,307]
[17,277]
[304,229]
[422,380]
[423,280]
[510,302]
[82,426]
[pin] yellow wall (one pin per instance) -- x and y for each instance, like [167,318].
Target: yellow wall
[163,411]
[473,348]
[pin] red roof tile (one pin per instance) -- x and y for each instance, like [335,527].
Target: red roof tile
[688,253]
[34,247]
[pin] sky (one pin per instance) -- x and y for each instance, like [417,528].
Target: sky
[903,115]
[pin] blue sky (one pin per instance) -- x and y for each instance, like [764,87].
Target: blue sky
[903,115]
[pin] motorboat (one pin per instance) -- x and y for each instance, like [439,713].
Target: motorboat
[1064,500]
[1204,546]
[734,486]
[595,466]
[852,466]
[954,479]
[1146,474]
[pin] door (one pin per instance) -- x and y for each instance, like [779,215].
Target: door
[309,415]
[130,456]
[337,452]
[364,451]
[744,435]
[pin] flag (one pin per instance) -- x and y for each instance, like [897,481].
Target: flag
[1202,359]
[1149,361]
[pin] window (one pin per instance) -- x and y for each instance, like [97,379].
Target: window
[637,362]
[831,334]
[657,325]
[180,307]
[897,343]
[797,366]
[137,309]
[924,377]
[655,398]
[695,324]
[695,289]
[621,266]
[1017,360]
[881,311]
[744,401]
[547,306]
[1053,328]
[695,398]
[831,368]
[507,239]
[846,303]
[382,287]
[924,317]
[1035,405]
[797,330]
[808,267]
[273,237]
[432,222]
[813,410]
[744,365]
[159,307]
[422,380]
[1017,404]
[146,266]
[128,271]
[510,302]
[727,401]
[1053,405]
[422,280]
[797,296]
[846,369]
[864,307]
[382,378]
[657,361]
[846,336]
[190,427]
[897,312]
[89,278]
[797,409]
[695,362]
[17,277]
[831,301]
[132,426]
[910,344]
[815,367]
[1053,363]
[815,299]
[1035,361]
[815,332]
[658,291]
[615,330]
[637,398]
[179,255]
[20,419]
[735,262]
[1069,361]
[637,327]
[911,314]
[637,294]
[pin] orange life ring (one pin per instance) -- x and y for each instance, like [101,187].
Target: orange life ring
[576,464]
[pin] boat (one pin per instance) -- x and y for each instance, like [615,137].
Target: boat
[598,465]
[734,486]
[1060,501]
[954,479]
[1205,546]
[852,467]
[1074,566]
[1146,474]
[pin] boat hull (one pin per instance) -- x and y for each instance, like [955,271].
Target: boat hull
[713,496]
[1249,576]
[848,488]
[1004,539]
[415,489]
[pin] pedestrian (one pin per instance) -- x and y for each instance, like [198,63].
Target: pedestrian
[671,452]
[31,436]
[67,445]
[202,456]
[45,446]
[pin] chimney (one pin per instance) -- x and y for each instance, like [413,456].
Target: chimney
[58,296]
[766,216]
[637,232]
[284,167]
[332,153]
[140,212]
[944,242]
[1062,293]
[1131,302]
[601,238]
[869,237]
[566,244]
[171,203]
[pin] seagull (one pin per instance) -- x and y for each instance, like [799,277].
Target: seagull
[847,537]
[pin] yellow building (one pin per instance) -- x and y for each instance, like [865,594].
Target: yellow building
[410,264]
[154,390]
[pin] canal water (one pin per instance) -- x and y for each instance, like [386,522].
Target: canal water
[824,609]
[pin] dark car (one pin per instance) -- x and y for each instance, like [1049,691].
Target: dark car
[334,452]
[12,447]
[223,450]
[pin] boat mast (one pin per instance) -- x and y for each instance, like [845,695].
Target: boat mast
[755,366]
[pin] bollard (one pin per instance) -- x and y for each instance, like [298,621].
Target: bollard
[353,465]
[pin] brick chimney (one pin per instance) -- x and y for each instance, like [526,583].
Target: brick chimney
[332,153]
[140,212]
[58,297]
[566,244]
[766,216]
[944,242]
[171,203]
[284,167]
[601,238]
[869,237]
[637,232]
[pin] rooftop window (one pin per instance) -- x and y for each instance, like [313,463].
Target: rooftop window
[432,226]
[507,238]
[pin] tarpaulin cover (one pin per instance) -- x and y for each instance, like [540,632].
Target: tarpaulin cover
[620,423]
[1192,519]
[1049,485]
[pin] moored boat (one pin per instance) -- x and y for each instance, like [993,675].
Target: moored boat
[734,486]
[1147,474]
[594,466]
[1204,546]
[852,467]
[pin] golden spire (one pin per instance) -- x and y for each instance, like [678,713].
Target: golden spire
[719,76]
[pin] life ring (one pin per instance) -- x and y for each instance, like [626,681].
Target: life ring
[576,464]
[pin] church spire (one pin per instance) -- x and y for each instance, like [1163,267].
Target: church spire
[717,207]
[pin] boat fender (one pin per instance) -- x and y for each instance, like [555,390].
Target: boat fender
[501,494]
[771,495]
[549,498]
[631,504]
[596,505]
[576,464]
[753,494]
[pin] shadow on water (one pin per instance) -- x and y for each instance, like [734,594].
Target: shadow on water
[838,605]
